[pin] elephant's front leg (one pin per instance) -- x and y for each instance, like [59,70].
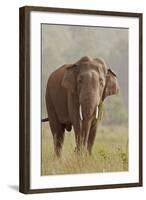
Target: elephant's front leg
[58,137]
[73,109]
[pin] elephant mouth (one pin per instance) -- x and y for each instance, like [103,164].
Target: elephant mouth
[81,113]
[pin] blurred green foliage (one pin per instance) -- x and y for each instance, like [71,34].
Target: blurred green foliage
[114,111]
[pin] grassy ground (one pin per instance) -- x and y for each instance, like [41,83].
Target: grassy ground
[110,153]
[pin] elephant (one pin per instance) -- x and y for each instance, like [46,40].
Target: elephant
[73,95]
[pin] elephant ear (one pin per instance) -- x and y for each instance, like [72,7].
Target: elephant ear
[68,80]
[111,86]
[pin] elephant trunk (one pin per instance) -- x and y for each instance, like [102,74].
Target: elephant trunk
[87,111]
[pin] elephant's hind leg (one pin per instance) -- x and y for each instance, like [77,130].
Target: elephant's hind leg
[58,137]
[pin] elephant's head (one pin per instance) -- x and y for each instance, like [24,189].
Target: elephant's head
[92,81]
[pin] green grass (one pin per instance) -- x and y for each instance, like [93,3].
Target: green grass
[110,153]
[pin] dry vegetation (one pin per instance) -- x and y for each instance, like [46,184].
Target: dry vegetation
[110,153]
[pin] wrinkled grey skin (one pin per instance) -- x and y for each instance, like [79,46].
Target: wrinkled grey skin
[73,94]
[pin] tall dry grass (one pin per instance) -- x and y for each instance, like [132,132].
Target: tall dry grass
[110,153]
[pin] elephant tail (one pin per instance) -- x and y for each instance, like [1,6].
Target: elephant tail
[45,120]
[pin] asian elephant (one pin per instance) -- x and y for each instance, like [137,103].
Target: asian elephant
[73,95]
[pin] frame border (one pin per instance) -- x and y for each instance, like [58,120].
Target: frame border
[24,98]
